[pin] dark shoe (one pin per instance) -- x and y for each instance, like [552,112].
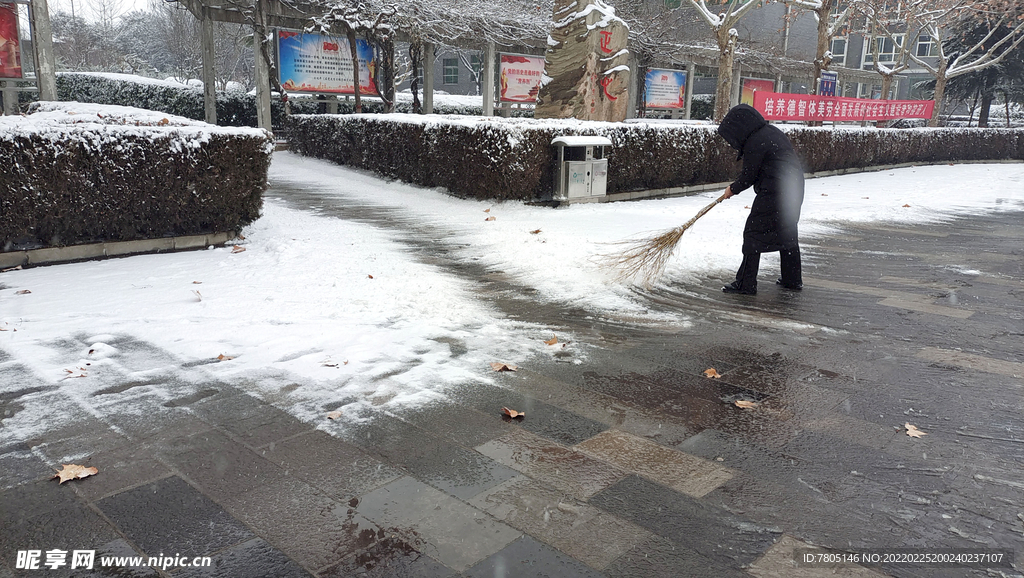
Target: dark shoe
[796,287]
[733,289]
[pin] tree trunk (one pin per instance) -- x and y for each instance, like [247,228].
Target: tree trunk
[355,67]
[415,54]
[886,87]
[940,96]
[726,58]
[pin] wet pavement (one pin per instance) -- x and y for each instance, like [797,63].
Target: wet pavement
[633,464]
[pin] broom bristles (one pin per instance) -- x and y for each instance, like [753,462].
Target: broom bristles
[644,260]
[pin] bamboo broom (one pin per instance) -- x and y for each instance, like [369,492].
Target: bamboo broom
[644,260]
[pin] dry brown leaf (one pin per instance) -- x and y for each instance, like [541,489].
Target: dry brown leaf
[552,341]
[913,432]
[744,404]
[712,372]
[824,194]
[906,206]
[334,414]
[199,295]
[487,210]
[197,282]
[491,219]
[370,276]
[241,237]
[22,292]
[498,366]
[72,375]
[223,357]
[865,197]
[238,249]
[535,232]
[163,121]
[512,413]
[74,471]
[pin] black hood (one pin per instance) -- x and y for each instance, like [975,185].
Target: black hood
[741,122]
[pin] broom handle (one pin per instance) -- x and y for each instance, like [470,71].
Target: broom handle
[704,211]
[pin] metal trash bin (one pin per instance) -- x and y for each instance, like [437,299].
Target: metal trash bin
[582,172]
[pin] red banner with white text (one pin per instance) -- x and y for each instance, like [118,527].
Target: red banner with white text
[779,106]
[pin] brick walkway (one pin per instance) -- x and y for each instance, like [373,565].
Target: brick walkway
[632,464]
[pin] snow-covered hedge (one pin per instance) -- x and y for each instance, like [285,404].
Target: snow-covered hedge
[74,173]
[234,108]
[513,158]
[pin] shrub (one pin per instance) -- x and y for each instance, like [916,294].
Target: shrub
[74,173]
[496,158]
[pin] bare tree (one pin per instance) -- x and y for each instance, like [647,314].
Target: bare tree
[828,28]
[940,20]
[723,26]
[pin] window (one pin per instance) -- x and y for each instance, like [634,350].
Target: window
[926,46]
[450,70]
[887,50]
[839,51]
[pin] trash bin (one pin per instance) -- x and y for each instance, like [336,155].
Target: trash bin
[582,172]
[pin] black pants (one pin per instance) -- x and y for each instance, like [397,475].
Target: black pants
[746,277]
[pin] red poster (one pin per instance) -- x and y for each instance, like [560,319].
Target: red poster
[778,106]
[10,50]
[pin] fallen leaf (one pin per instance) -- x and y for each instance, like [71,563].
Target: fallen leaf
[913,432]
[223,357]
[496,366]
[865,197]
[72,375]
[238,249]
[711,372]
[345,363]
[241,237]
[197,282]
[487,210]
[746,206]
[23,292]
[163,121]
[552,341]
[512,413]
[906,206]
[91,351]
[334,414]
[370,276]
[490,219]
[18,268]
[535,232]
[74,471]
[824,194]
[199,295]
[744,404]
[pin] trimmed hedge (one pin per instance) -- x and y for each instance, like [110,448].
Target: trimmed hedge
[71,174]
[490,158]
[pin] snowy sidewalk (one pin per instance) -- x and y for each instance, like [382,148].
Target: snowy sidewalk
[199,384]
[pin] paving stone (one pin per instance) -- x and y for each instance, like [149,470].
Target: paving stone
[389,557]
[541,418]
[452,532]
[658,557]
[255,422]
[144,417]
[19,465]
[77,440]
[333,466]
[119,469]
[711,531]
[638,420]
[389,438]
[310,527]
[459,471]
[169,517]
[682,472]
[218,465]
[779,562]
[566,469]
[584,532]
[528,558]
[253,558]
[463,425]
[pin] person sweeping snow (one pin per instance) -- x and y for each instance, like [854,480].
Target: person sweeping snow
[772,167]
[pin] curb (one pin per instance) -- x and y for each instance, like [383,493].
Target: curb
[52,255]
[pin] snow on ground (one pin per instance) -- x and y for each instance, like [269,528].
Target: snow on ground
[343,309]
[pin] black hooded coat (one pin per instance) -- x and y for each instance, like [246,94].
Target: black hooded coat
[772,167]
